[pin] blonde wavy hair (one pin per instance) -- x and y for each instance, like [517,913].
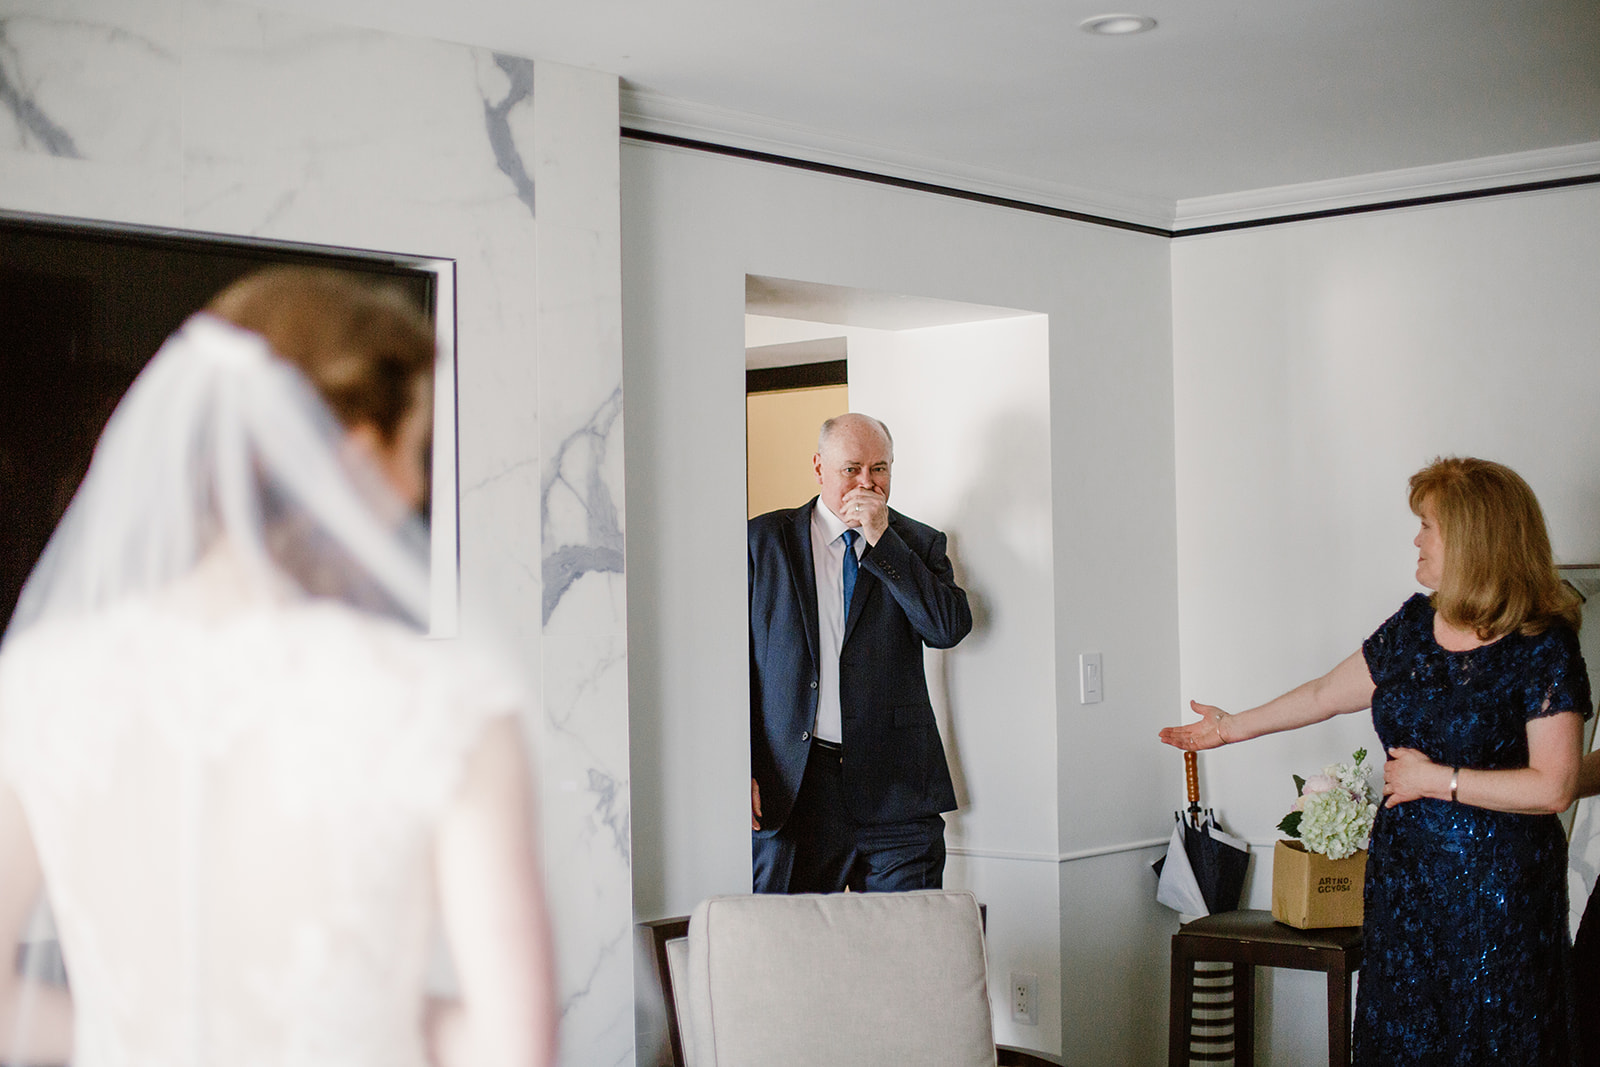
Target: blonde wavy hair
[1499,574]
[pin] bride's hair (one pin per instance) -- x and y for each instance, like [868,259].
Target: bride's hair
[363,346]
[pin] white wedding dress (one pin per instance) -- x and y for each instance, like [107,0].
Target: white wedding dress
[234,807]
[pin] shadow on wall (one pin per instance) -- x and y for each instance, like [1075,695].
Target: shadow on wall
[1000,546]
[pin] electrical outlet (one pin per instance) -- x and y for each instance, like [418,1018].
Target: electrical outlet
[1025,999]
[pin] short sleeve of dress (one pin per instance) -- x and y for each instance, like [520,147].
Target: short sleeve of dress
[1387,650]
[1558,679]
[465,689]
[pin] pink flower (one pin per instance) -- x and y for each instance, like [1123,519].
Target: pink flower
[1319,783]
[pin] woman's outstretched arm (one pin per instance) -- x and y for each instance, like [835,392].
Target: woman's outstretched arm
[491,895]
[35,1017]
[1346,688]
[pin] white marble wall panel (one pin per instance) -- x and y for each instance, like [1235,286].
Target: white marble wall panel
[90,114]
[580,344]
[59,53]
[576,180]
[589,834]
[223,118]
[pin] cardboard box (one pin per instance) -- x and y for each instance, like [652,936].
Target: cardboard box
[1310,891]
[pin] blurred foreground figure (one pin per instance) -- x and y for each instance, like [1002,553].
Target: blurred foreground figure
[248,786]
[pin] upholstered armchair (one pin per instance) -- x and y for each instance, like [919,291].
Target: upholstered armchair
[830,981]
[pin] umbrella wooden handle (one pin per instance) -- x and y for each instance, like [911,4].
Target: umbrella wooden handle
[1191,776]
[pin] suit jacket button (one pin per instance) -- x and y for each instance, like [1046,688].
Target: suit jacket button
[805,735]
[813,685]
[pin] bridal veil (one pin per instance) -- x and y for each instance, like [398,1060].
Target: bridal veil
[219,442]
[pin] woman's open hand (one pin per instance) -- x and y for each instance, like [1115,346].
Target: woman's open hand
[1198,736]
[1409,775]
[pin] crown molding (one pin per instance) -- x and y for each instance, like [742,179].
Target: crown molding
[1395,187]
[657,114]
[742,132]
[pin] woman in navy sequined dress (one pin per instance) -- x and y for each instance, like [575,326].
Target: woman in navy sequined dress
[1478,695]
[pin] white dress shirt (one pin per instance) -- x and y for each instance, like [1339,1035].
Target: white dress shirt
[827,555]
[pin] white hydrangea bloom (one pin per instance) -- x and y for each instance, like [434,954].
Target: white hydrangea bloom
[1336,816]
[1336,824]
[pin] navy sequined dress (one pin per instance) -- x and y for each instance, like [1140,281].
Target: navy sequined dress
[1466,948]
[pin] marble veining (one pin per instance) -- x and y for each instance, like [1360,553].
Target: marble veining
[608,794]
[509,470]
[575,996]
[586,819]
[578,998]
[519,72]
[577,470]
[611,808]
[32,122]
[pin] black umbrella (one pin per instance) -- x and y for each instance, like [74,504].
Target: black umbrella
[1203,870]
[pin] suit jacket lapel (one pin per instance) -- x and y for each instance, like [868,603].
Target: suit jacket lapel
[803,572]
[866,585]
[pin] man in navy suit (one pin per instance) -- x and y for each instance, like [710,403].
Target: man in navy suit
[848,775]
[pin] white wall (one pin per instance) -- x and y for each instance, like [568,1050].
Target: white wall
[693,226]
[1316,366]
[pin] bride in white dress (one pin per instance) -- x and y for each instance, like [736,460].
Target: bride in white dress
[249,789]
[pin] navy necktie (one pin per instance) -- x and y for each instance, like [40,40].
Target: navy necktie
[851,565]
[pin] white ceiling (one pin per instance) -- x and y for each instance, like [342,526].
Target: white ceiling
[1008,97]
[783,298]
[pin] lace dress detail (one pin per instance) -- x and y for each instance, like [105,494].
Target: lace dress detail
[1466,949]
[235,820]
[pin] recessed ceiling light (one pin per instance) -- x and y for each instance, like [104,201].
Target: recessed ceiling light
[1117,25]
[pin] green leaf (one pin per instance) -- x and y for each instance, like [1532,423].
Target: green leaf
[1291,824]
[1299,786]
[1361,754]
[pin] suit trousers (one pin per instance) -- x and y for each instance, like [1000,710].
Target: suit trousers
[821,849]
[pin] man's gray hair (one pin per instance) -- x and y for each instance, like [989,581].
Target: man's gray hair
[830,425]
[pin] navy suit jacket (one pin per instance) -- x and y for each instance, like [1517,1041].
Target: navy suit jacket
[905,597]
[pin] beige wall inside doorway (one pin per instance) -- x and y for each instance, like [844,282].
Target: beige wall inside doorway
[780,439]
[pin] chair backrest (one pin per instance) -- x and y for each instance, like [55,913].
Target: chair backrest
[838,980]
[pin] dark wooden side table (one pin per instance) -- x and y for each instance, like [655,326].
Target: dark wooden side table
[1251,939]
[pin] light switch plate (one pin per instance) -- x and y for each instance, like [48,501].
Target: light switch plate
[1091,678]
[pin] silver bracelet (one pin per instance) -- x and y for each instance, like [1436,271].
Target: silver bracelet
[1455,780]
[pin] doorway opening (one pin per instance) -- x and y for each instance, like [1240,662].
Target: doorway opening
[965,391]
